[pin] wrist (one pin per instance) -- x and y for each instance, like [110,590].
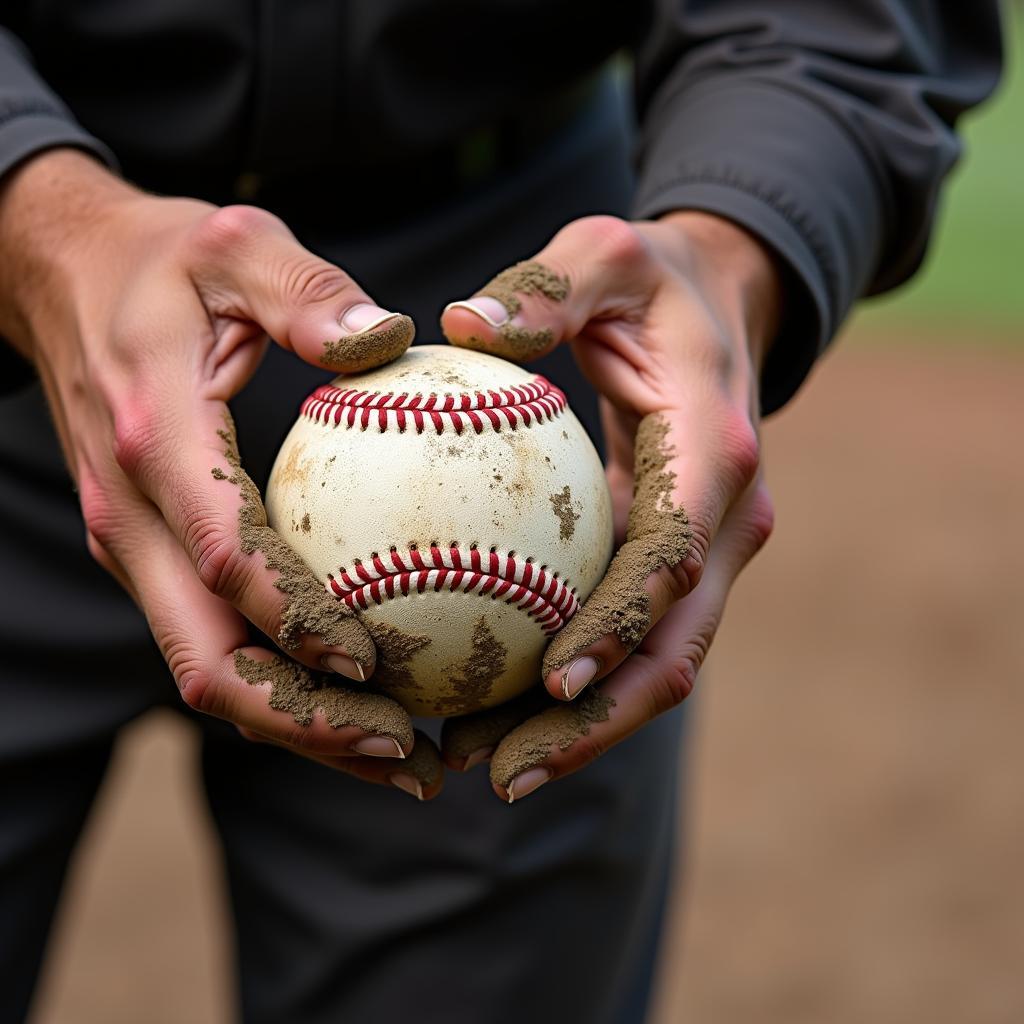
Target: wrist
[52,209]
[735,265]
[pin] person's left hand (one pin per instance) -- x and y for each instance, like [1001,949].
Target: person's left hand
[670,322]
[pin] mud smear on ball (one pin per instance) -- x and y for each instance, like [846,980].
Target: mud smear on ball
[658,534]
[395,649]
[473,678]
[561,502]
[308,607]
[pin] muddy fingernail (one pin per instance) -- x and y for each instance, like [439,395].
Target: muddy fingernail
[578,674]
[526,782]
[365,317]
[344,666]
[489,310]
[407,783]
[378,746]
[477,757]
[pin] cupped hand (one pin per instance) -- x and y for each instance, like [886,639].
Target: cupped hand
[143,316]
[670,322]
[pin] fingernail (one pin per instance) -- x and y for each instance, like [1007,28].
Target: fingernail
[365,317]
[378,746]
[524,784]
[488,309]
[344,666]
[407,783]
[578,674]
[477,757]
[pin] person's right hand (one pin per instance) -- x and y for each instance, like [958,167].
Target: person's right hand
[143,316]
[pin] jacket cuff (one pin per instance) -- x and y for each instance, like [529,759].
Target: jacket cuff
[776,163]
[30,125]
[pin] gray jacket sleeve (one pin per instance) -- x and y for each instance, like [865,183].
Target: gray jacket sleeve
[825,128]
[32,118]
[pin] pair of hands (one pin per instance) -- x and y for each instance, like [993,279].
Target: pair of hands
[145,315]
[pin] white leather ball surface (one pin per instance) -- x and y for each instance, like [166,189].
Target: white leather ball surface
[457,504]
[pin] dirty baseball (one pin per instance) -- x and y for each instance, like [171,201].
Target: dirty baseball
[455,503]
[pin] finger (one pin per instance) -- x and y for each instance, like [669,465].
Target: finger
[659,675]
[660,561]
[469,740]
[249,266]
[191,470]
[421,774]
[205,643]
[593,268]
[102,557]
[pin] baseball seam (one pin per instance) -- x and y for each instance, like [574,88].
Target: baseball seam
[521,405]
[487,573]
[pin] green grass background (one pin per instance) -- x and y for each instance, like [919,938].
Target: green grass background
[971,287]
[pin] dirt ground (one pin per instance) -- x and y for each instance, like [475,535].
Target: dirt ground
[856,799]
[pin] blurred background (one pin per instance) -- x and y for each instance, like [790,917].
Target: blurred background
[855,808]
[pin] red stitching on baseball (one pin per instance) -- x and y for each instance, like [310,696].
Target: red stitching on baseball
[522,405]
[518,581]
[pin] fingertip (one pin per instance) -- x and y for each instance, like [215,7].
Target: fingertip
[579,660]
[569,681]
[468,324]
[373,745]
[343,665]
[368,337]
[525,783]
[483,324]
[482,307]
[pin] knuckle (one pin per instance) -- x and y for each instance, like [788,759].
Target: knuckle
[740,447]
[99,515]
[216,556]
[762,518]
[613,240]
[676,680]
[689,572]
[587,748]
[670,584]
[232,229]
[196,678]
[300,737]
[306,279]
[197,690]
[135,440]
[99,554]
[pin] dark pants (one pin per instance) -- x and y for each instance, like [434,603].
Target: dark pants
[351,902]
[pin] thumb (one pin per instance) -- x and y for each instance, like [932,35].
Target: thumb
[248,265]
[596,267]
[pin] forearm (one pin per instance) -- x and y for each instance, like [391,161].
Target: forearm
[51,207]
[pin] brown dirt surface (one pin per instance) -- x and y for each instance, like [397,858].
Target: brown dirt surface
[855,808]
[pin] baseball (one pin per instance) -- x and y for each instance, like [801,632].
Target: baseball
[457,505]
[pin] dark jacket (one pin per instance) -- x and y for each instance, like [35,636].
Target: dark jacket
[825,128]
